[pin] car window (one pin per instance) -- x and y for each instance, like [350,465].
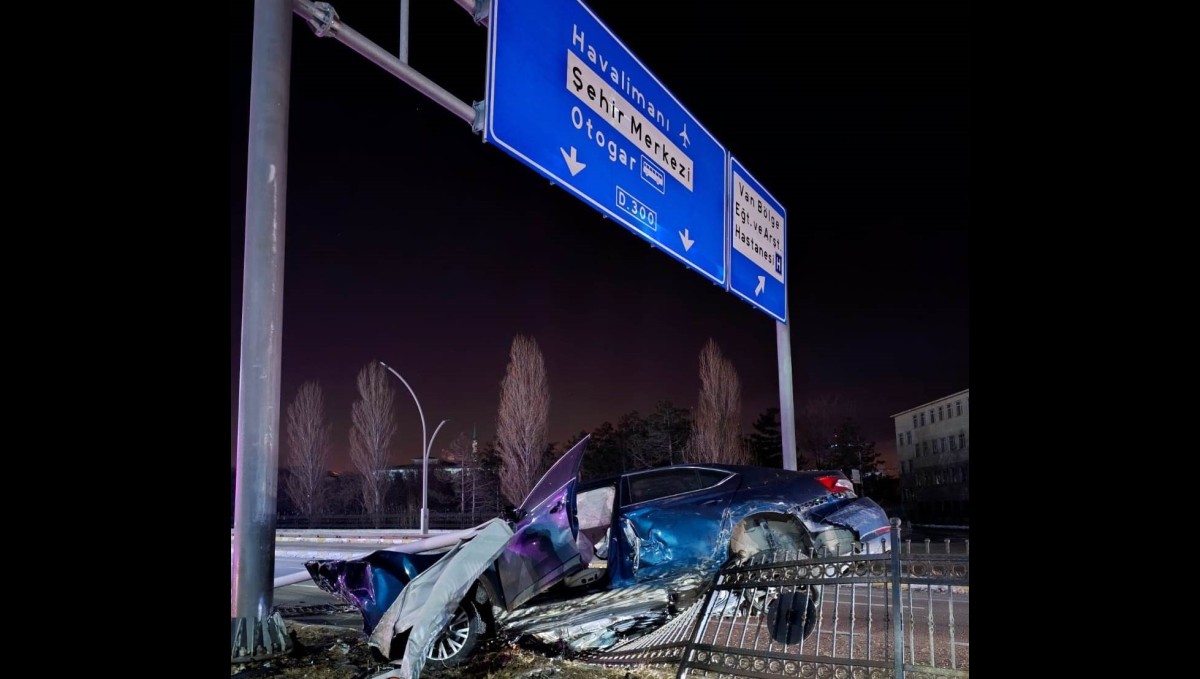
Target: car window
[666,482]
[711,477]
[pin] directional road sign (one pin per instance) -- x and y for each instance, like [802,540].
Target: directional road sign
[758,250]
[567,98]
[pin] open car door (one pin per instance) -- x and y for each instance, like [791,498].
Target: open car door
[542,550]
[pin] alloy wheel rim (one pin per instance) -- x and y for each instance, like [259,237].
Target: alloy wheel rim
[453,638]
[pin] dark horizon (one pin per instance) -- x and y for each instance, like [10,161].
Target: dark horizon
[410,241]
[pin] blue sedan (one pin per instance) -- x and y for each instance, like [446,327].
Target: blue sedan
[584,563]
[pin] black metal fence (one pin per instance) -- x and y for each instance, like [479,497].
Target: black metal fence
[900,614]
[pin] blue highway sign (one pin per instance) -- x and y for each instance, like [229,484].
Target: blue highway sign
[758,253]
[568,99]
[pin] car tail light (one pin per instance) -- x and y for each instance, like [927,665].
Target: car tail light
[836,484]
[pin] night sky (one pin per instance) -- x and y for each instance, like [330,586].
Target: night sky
[410,241]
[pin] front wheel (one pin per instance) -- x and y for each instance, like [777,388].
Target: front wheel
[460,638]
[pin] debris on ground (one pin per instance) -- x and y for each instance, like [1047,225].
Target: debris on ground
[330,652]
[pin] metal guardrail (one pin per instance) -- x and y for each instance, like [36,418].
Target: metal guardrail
[900,614]
[397,521]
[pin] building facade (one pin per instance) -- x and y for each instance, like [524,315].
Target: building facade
[933,444]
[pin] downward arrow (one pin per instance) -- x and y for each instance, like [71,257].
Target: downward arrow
[572,164]
[762,283]
[687,242]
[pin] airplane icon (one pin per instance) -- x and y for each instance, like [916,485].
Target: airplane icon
[684,134]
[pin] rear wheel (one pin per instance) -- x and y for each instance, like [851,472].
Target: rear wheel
[769,538]
[460,638]
[792,615]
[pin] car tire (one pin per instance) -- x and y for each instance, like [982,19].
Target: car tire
[459,640]
[792,616]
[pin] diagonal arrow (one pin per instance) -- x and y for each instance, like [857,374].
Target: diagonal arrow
[762,284]
[687,242]
[572,164]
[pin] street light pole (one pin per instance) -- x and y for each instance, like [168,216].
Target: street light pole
[425,482]
[426,444]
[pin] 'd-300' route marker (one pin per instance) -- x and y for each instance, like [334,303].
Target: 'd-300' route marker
[568,99]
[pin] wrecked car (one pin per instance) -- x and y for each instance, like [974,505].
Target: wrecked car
[587,563]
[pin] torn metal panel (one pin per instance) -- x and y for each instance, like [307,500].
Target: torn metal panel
[370,582]
[581,622]
[426,605]
[862,516]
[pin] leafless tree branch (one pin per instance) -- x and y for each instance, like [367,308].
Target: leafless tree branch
[522,426]
[371,435]
[716,428]
[308,450]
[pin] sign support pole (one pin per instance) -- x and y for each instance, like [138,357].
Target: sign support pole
[255,630]
[787,410]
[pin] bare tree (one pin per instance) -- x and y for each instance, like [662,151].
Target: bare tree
[817,420]
[522,423]
[308,450]
[371,435]
[716,429]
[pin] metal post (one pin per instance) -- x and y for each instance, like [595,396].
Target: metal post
[425,481]
[324,21]
[424,449]
[254,630]
[897,614]
[403,54]
[787,410]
